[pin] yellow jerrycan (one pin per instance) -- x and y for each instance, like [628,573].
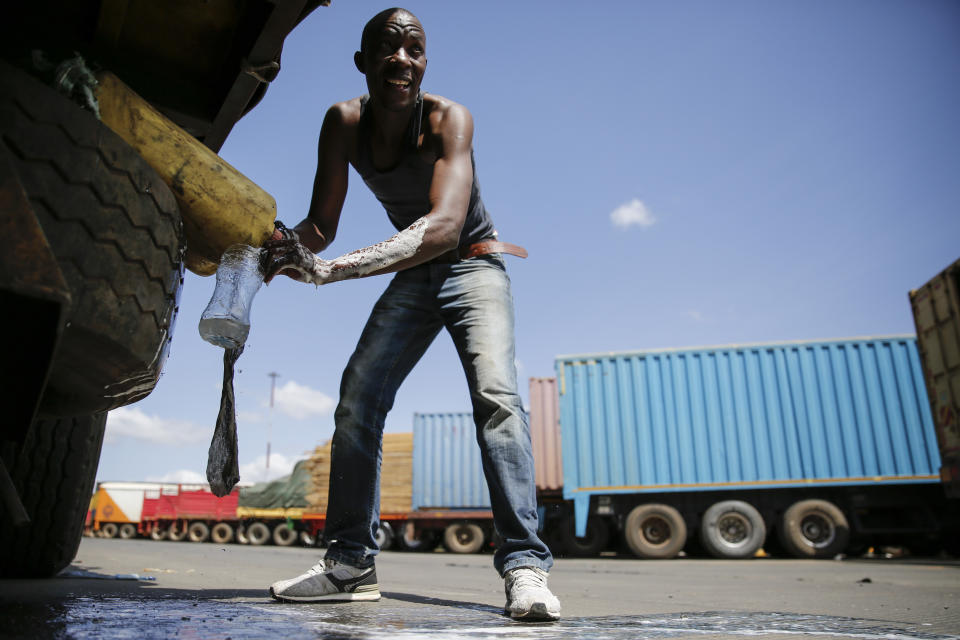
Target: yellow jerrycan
[219,205]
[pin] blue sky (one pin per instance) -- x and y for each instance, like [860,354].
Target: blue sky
[682,173]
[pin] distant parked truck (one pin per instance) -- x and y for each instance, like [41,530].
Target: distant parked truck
[824,444]
[116,508]
[165,511]
[936,313]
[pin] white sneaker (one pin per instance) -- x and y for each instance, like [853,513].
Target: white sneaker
[528,597]
[329,580]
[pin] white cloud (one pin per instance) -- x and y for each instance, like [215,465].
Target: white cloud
[256,471]
[298,401]
[131,422]
[181,476]
[633,213]
[247,417]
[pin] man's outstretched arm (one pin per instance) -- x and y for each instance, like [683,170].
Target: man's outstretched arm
[435,233]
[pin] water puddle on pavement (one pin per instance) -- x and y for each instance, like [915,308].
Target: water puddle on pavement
[125,617]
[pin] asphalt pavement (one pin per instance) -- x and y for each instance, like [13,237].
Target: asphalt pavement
[146,589]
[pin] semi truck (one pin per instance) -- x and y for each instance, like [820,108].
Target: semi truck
[111,116]
[167,511]
[814,448]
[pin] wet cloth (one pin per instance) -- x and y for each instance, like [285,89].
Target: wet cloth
[472,300]
[404,190]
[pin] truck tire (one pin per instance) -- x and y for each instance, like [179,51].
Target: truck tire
[463,537]
[814,529]
[128,531]
[732,529]
[221,533]
[242,534]
[109,530]
[158,534]
[413,538]
[198,532]
[115,229]
[596,540]
[384,536]
[258,533]
[284,535]
[307,539]
[53,473]
[177,531]
[655,531]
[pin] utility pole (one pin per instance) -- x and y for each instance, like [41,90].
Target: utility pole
[273,385]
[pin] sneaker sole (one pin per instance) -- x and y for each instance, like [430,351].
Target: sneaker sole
[538,612]
[368,596]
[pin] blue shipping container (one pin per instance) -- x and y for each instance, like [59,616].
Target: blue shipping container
[839,412]
[447,472]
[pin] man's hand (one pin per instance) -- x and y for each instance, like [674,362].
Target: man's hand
[284,253]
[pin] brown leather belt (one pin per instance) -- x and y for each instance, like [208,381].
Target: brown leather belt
[480,249]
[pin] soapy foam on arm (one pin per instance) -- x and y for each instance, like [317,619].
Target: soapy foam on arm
[362,262]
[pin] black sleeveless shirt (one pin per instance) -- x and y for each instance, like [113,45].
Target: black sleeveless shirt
[404,190]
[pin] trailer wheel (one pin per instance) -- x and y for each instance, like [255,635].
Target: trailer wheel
[384,536]
[598,535]
[413,538]
[158,534]
[242,535]
[732,529]
[284,535]
[198,532]
[221,533]
[307,539]
[128,531]
[463,537]
[258,533]
[814,529]
[177,531]
[109,530]
[655,531]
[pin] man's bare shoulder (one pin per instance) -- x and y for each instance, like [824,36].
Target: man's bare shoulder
[346,113]
[445,115]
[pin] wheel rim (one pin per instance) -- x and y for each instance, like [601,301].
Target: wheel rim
[656,531]
[817,530]
[734,529]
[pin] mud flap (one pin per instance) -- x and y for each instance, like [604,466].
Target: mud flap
[581,509]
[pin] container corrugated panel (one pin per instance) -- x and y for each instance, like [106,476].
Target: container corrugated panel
[838,412]
[545,434]
[936,314]
[199,502]
[447,471]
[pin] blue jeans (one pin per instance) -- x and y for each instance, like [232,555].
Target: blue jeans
[472,300]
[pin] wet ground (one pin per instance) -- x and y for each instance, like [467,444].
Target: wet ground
[142,589]
[115,617]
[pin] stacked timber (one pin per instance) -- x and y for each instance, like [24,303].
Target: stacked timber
[396,475]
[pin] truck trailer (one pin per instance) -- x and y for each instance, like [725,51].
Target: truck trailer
[812,447]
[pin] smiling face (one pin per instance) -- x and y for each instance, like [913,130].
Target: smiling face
[393,57]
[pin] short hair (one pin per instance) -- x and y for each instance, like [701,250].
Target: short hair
[372,28]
